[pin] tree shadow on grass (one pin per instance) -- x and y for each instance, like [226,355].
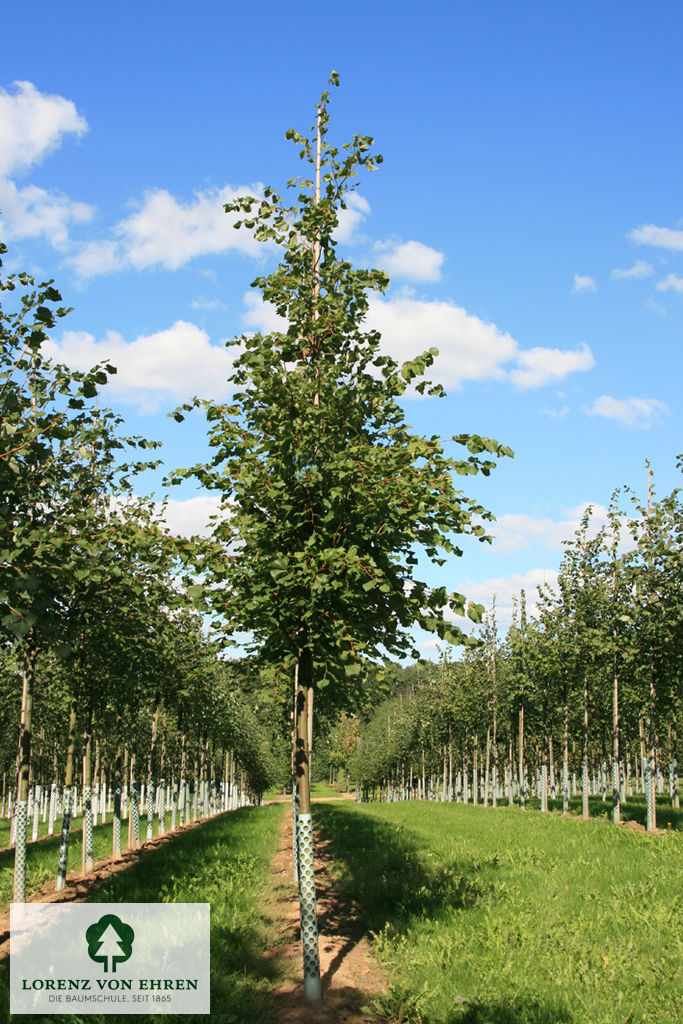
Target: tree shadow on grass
[390,876]
[521,1012]
[401,1005]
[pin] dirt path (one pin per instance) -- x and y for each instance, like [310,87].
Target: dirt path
[351,977]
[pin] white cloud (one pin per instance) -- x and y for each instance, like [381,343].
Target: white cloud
[641,268]
[32,124]
[203,303]
[663,238]
[540,366]
[583,284]
[261,316]
[513,532]
[469,348]
[655,306]
[164,232]
[190,516]
[412,260]
[506,590]
[173,364]
[669,282]
[30,212]
[350,219]
[555,414]
[639,413]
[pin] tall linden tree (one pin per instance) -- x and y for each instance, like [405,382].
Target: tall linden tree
[327,494]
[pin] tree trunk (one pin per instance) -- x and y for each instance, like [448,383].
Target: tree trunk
[68,795]
[585,810]
[615,743]
[652,757]
[28,679]
[522,778]
[151,764]
[118,775]
[565,760]
[307,899]
[134,838]
[88,856]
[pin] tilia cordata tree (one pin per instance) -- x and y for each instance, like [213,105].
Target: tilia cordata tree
[327,493]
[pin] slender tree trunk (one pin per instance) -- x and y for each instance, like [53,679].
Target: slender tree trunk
[68,796]
[488,766]
[652,757]
[88,856]
[673,733]
[151,765]
[28,680]
[615,742]
[307,898]
[134,838]
[522,778]
[565,760]
[585,811]
[118,774]
[643,755]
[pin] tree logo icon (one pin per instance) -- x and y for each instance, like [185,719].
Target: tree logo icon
[110,941]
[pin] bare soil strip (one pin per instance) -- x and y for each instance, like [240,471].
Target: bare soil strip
[351,977]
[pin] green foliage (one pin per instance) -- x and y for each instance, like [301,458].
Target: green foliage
[326,491]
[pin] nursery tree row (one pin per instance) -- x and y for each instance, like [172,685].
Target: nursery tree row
[585,696]
[103,663]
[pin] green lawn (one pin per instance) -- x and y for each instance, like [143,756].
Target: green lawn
[42,856]
[501,917]
[224,861]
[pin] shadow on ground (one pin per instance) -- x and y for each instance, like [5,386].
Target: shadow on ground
[384,869]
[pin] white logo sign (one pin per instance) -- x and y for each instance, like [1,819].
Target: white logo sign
[109,958]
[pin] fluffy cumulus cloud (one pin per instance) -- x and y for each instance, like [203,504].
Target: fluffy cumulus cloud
[583,284]
[662,238]
[412,260]
[638,413]
[262,316]
[513,532]
[640,269]
[539,366]
[33,212]
[32,125]
[172,364]
[670,282]
[190,516]
[506,590]
[165,232]
[469,348]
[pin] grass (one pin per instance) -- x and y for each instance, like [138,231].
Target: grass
[42,856]
[504,917]
[226,862]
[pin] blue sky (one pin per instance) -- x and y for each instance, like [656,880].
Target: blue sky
[529,212]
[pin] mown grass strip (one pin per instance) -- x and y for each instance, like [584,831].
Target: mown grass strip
[225,862]
[504,917]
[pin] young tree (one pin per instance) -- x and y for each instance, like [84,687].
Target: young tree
[324,487]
